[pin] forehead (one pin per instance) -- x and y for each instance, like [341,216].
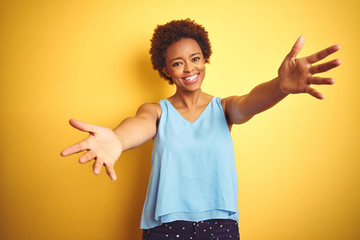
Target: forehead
[182,48]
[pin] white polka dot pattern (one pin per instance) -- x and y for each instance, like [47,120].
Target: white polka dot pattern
[219,229]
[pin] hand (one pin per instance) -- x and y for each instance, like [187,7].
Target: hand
[102,145]
[296,74]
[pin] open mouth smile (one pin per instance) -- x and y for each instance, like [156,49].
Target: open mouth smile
[191,79]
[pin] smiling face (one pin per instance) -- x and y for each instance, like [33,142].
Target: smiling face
[185,64]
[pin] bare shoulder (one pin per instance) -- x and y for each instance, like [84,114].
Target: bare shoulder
[228,101]
[152,110]
[232,109]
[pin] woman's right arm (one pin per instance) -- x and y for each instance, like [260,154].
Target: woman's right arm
[106,145]
[134,131]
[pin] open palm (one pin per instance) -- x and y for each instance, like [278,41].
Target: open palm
[296,74]
[101,145]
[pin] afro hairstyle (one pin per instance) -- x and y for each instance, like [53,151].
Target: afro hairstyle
[171,32]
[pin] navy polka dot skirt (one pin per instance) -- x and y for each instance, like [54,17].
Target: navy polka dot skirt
[214,229]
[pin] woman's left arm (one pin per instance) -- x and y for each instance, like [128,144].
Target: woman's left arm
[295,75]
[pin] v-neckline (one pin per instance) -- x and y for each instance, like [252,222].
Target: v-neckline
[181,116]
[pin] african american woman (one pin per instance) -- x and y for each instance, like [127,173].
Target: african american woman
[193,190]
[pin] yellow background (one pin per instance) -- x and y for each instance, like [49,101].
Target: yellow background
[298,163]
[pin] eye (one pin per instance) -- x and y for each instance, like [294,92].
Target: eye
[196,59]
[176,64]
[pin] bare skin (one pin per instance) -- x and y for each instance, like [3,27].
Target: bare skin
[186,66]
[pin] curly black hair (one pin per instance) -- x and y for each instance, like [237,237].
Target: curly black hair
[165,35]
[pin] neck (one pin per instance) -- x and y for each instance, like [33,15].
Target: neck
[189,99]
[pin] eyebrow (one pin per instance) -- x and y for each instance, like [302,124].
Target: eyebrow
[178,58]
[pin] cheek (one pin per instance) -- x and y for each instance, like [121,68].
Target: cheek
[201,67]
[175,73]
[178,71]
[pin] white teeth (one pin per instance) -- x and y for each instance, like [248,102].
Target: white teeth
[191,78]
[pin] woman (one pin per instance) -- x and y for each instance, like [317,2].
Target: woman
[192,192]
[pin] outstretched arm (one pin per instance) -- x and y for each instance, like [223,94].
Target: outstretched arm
[134,131]
[295,75]
[105,145]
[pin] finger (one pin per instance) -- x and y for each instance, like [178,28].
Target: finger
[110,171]
[322,54]
[97,166]
[88,156]
[297,47]
[314,93]
[76,148]
[83,126]
[325,66]
[320,80]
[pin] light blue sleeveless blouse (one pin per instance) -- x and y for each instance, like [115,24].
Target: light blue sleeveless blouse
[193,174]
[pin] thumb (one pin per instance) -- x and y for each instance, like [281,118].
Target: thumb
[82,126]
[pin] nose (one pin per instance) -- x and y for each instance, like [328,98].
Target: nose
[189,67]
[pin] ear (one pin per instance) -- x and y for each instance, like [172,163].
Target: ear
[165,71]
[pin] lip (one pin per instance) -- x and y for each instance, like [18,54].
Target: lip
[192,80]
